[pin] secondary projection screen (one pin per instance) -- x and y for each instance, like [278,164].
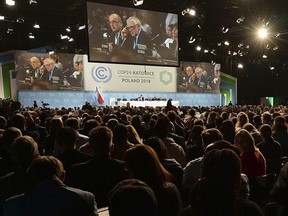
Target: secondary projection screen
[132,36]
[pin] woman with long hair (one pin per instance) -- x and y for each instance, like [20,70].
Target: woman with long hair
[142,163]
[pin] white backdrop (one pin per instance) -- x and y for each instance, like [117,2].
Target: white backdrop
[128,78]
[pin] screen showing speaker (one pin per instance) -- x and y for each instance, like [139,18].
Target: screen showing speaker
[132,36]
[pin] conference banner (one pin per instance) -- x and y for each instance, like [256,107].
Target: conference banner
[129,78]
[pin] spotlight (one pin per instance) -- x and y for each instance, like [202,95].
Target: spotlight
[240,66]
[198,48]
[264,56]
[206,51]
[275,48]
[68,29]
[225,30]
[31,36]
[37,26]
[262,33]
[10,31]
[71,39]
[81,27]
[138,2]
[192,12]
[20,20]
[272,68]
[226,43]
[192,40]
[32,2]
[63,37]
[2,18]
[10,2]
[240,19]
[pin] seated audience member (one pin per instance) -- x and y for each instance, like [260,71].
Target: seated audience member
[280,133]
[74,123]
[132,197]
[102,173]
[23,151]
[194,144]
[133,136]
[49,196]
[228,130]
[120,141]
[253,161]
[279,192]
[143,164]
[270,148]
[254,132]
[171,165]
[20,121]
[179,130]
[3,125]
[7,165]
[162,130]
[67,138]
[217,191]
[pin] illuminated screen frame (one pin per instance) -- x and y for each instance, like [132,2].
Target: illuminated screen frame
[150,51]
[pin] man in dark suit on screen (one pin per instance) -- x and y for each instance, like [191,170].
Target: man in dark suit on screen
[52,74]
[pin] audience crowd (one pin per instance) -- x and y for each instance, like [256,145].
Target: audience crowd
[144,161]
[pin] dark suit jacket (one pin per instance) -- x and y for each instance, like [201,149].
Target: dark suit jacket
[56,73]
[52,198]
[144,39]
[98,176]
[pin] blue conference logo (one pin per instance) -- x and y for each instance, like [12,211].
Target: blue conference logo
[165,77]
[101,74]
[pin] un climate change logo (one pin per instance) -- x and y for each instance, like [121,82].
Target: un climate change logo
[101,74]
[165,77]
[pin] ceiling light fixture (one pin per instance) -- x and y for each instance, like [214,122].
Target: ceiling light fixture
[32,2]
[36,25]
[63,37]
[225,30]
[81,27]
[262,33]
[226,43]
[31,36]
[138,2]
[192,40]
[264,56]
[68,29]
[240,66]
[2,18]
[198,48]
[10,2]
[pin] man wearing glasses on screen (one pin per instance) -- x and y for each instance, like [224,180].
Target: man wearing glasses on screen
[140,39]
[116,26]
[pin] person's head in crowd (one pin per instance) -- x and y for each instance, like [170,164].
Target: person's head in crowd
[19,121]
[196,133]
[217,191]
[72,122]
[132,197]
[158,146]
[133,25]
[120,134]
[35,62]
[56,124]
[244,141]
[45,168]
[3,122]
[100,139]
[224,115]
[115,22]
[266,118]
[172,116]
[222,144]
[8,137]
[242,119]
[250,128]
[210,135]
[228,130]
[266,131]
[279,124]
[162,128]
[133,135]
[90,124]
[67,138]
[197,122]
[23,151]
[49,64]
[142,163]
[211,117]
[112,123]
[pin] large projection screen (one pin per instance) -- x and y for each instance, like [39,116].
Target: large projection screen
[132,36]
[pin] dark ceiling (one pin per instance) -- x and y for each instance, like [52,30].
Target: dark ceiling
[54,16]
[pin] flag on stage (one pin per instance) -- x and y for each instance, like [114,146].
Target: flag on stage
[99,96]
